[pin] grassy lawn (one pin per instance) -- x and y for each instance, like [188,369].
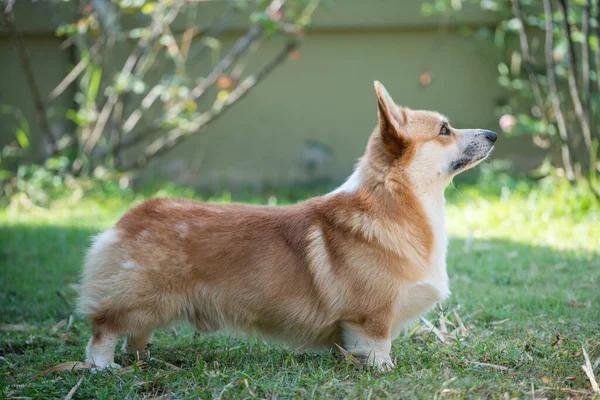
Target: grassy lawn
[525,274]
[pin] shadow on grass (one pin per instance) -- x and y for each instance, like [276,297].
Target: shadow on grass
[39,265]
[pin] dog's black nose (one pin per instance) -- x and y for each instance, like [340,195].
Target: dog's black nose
[491,136]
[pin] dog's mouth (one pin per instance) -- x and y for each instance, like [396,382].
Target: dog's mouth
[468,162]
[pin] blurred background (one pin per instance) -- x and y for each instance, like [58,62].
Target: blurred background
[240,95]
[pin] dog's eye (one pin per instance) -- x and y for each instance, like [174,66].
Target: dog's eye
[445,130]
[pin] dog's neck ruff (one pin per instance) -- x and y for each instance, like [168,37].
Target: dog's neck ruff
[351,185]
[431,198]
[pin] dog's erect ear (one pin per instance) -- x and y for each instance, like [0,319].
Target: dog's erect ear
[392,119]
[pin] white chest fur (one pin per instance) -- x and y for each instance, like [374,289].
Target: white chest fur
[435,209]
[414,299]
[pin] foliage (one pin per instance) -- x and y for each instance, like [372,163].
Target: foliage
[551,69]
[577,200]
[16,148]
[151,73]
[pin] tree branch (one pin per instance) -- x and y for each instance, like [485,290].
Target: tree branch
[140,51]
[145,104]
[156,126]
[585,59]
[236,51]
[153,94]
[558,114]
[527,58]
[597,49]
[115,136]
[177,135]
[70,78]
[242,44]
[96,134]
[572,78]
[214,31]
[26,64]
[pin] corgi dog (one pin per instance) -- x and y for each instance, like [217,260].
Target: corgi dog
[351,268]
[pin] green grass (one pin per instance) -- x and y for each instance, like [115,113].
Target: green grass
[524,263]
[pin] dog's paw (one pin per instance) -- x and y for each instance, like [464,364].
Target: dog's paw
[385,366]
[140,354]
[105,367]
[381,364]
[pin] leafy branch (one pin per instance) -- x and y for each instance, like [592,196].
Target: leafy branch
[552,80]
[127,114]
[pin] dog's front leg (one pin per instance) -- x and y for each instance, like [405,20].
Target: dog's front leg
[369,341]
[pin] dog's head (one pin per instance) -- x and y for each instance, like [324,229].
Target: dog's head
[423,144]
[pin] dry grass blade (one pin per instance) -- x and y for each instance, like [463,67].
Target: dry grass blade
[69,323]
[446,337]
[415,330]
[73,389]
[570,391]
[454,334]
[59,325]
[168,364]
[500,322]
[435,330]
[451,391]
[443,327]
[589,371]
[448,322]
[15,327]
[537,394]
[130,368]
[463,329]
[67,366]
[348,356]
[248,388]
[487,365]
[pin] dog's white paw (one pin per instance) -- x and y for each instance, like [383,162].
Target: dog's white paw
[105,367]
[382,364]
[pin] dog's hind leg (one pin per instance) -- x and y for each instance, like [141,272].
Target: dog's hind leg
[100,350]
[137,345]
[369,342]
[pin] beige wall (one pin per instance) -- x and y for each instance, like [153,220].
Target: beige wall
[325,96]
[328,96]
[48,66]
